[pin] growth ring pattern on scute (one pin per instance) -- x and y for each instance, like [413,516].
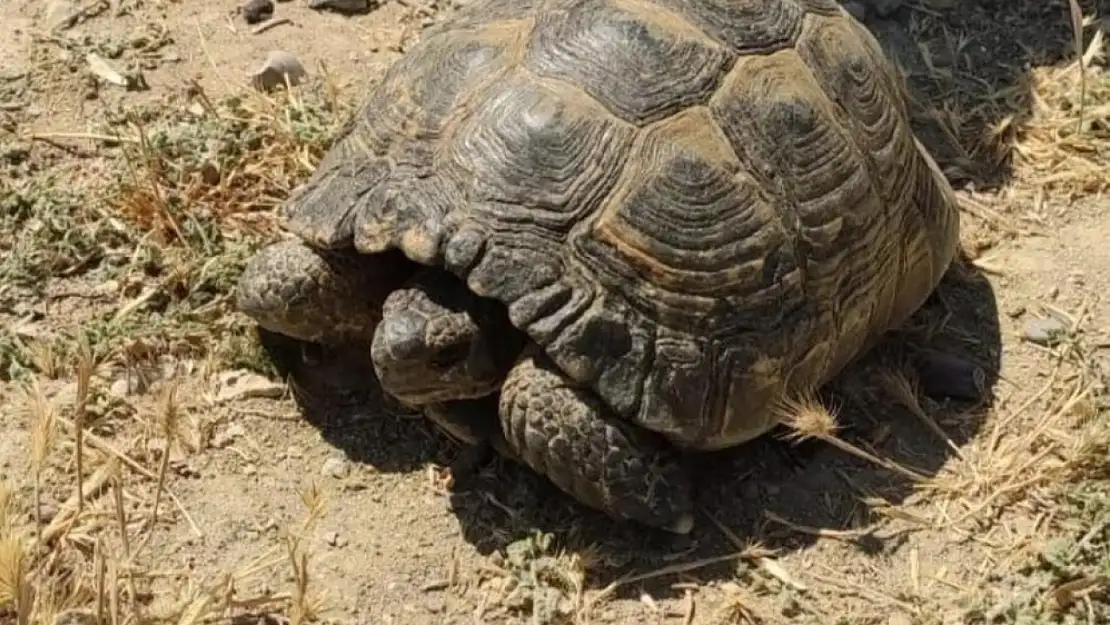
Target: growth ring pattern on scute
[692,205]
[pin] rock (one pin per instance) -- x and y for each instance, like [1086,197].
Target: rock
[210,173]
[75,617]
[99,67]
[48,510]
[243,384]
[255,11]
[1046,331]
[120,388]
[346,7]
[335,468]
[943,374]
[227,436]
[104,70]
[434,604]
[61,14]
[277,66]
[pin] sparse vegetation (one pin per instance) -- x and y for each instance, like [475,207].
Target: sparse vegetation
[121,239]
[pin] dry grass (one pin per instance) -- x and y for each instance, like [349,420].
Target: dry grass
[808,418]
[91,561]
[228,162]
[1063,148]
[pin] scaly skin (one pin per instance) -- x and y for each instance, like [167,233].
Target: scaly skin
[570,436]
[438,342]
[318,296]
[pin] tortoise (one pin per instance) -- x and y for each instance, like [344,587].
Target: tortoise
[603,233]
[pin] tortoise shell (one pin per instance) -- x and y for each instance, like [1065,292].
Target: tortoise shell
[694,206]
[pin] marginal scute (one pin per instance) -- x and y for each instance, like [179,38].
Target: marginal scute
[595,43]
[749,381]
[622,380]
[324,209]
[511,269]
[542,303]
[407,201]
[422,242]
[463,250]
[680,389]
[567,307]
[607,346]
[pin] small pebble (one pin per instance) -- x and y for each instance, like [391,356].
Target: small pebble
[335,467]
[277,66]
[48,509]
[227,436]
[75,617]
[1045,331]
[210,173]
[255,11]
[243,384]
[346,7]
[120,388]
[435,605]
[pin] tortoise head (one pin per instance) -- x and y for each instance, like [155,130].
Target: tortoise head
[438,342]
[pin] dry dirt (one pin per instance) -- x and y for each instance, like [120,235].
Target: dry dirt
[210,496]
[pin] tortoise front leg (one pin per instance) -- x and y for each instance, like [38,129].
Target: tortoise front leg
[568,435]
[473,424]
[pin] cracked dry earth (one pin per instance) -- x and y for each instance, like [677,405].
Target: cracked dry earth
[1010,527]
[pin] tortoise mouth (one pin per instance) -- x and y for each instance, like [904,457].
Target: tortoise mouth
[421,385]
[425,394]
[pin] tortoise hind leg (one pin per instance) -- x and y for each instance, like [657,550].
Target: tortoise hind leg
[944,374]
[568,435]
